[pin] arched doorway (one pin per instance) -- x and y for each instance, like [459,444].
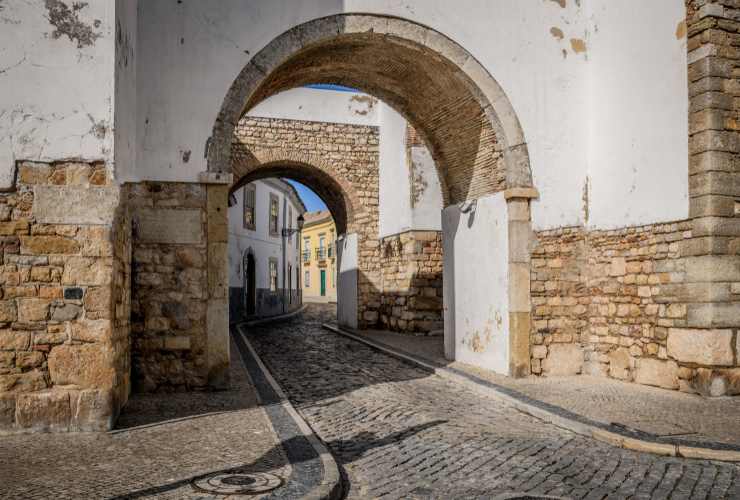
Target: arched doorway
[249,270]
[475,138]
[334,184]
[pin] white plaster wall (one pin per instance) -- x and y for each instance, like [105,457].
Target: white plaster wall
[395,215]
[190,53]
[426,212]
[263,245]
[323,105]
[347,280]
[476,274]
[125,86]
[639,105]
[56,92]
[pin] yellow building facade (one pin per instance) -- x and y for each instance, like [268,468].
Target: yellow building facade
[319,257]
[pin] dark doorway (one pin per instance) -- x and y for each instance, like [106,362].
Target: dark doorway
[250,284]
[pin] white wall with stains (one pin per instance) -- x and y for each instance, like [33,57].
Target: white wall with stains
[125,119]
[639,106]
[599,88]
[56,82]
[476,283]
[581,75]
[321,105]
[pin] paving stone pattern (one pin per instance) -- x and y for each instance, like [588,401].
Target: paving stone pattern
[163,441]
[400,432]
[671,414]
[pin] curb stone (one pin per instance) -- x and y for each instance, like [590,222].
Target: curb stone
[614,435]
[315,473]
[270,319]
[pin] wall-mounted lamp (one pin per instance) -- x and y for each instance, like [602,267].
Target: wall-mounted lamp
[291,231]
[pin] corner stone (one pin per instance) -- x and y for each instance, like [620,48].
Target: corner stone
[656,372]
[704,347]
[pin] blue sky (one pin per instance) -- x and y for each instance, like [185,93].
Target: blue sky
[310,199]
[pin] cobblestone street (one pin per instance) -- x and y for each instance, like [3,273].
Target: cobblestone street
[400,433]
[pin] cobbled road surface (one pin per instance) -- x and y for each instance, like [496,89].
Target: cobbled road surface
[399,432]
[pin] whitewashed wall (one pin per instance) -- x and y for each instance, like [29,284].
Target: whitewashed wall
[568,100]
[56,82]
[476,283]
[263,245]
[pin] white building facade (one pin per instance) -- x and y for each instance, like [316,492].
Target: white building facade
[264,250]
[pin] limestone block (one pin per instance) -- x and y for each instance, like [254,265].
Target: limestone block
[656,372]
[595,369]
[618,267]
[75,204]
[87,271]
[8,311]
[49,410]
[87,330]
[44,245]
[539,351]
[11,340]
[563,359]
[704,347]
[620,363]
[86,365]
[29,381]
[29,359]
[31,310]
[7,410]
[166,225]
[92,410]
[14,227]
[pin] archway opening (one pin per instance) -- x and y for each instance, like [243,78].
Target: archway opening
[476,142]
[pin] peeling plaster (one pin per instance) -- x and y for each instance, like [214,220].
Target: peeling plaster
[557,33]
[681,30]
[67,22]
[367,101]
[578,45]
[561,3]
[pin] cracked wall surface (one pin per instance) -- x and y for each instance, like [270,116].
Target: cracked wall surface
[48,110]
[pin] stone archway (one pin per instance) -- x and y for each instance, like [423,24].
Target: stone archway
[467,123]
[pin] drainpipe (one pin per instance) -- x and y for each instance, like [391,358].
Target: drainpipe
[285,216]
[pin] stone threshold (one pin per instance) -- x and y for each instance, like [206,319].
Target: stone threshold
[609,433]
[315,473]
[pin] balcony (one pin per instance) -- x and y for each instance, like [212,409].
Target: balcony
[330,252]
[321,253]
[307,256]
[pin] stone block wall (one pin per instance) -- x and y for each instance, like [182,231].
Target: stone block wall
[64,329]
[616,304]
[169,296]
[340,162]
[411,277]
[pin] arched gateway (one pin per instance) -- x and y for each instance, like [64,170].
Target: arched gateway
[478,146]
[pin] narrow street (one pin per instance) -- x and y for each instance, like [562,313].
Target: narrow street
[399,432]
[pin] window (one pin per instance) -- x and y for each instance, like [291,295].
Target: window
[306,249]
[250,196]
[307,278]
[273,274]
[274,215]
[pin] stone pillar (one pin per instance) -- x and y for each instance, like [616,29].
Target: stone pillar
[712,256]
[218,282]
[520,238]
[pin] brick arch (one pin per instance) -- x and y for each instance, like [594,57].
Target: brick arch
[312,170]
[465,117]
